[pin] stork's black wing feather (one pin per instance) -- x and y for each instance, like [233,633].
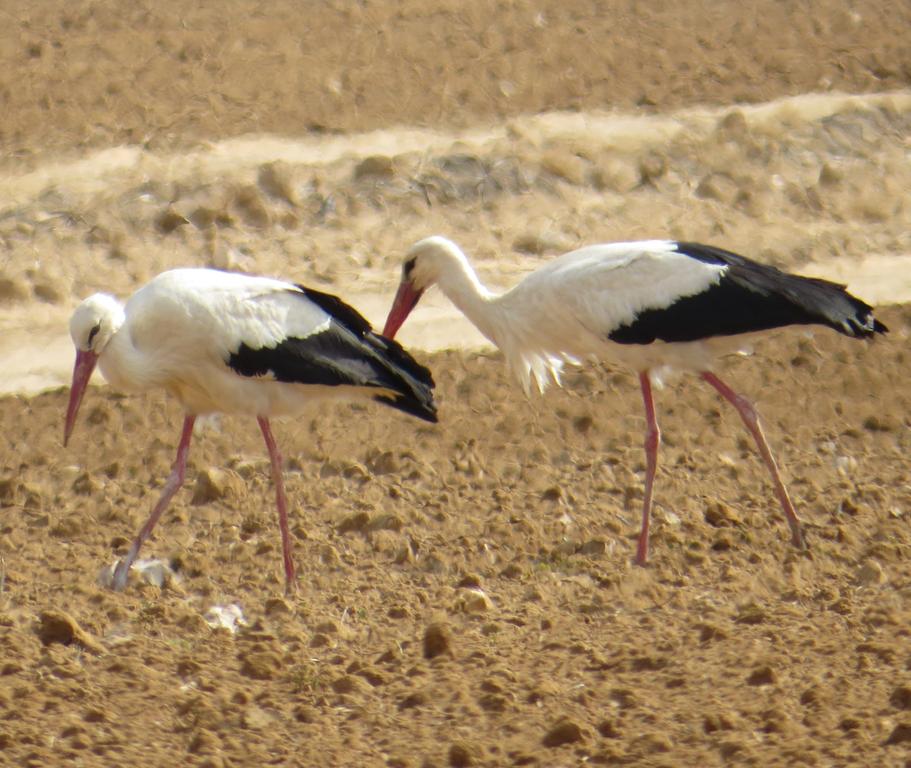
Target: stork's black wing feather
[346,353]
[749,297]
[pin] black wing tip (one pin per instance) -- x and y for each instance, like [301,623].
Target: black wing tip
[426,411]
[404,359]
[864,324]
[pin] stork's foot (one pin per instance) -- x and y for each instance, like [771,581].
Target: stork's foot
[641,558]
[291,588]
[119,578]
[799,539]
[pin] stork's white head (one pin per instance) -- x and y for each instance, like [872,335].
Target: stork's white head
[426,263]
[95,321]
[92,326]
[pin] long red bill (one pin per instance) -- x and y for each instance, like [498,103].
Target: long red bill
[82,372]
[405,300]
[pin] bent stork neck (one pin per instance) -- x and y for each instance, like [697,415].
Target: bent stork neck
[460,284]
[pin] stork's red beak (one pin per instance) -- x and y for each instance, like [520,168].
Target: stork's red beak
[405,300]
[82,372]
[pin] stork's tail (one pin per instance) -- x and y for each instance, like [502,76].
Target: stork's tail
[408,385]
[842,311]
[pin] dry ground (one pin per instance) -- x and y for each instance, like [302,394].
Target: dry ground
[466,593]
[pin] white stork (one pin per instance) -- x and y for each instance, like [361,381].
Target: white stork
[653,305]
[231,343]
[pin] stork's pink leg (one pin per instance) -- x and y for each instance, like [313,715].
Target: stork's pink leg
[280,501]
[652,441]
[751,420]
[174,481]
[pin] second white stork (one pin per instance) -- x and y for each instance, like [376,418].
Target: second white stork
[231,343]
[652,305]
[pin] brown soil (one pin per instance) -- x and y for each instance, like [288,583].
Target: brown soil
[466,592]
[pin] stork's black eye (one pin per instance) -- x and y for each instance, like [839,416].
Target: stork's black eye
[93,332]
[408,266]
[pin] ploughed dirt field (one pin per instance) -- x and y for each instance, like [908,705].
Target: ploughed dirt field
[466,593]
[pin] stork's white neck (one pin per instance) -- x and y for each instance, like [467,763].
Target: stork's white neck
[120,367]
[460,284]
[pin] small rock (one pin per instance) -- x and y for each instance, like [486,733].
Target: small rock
[13,289]
[213,484]
[554,493]
[329,556]
[615,175]
[462,756]
[829,175]
[593,548]
[751,614]
[383,463]
[275,180]
[582,424]
[328,627]
[376,167]
[261,665]
[656,742]
[275,606]
[717,186]
[564,165]
[350,684]
[694,556]
[225,617]
[720,515]
[513,571]
[304,714]
[257,719]
[870,574]
[437,641]
[205,217]
[470,581]
[47,291]
[762,676]
[153,571]
[9,491]
[849,724]
[563,732]
[356,522]
[880,423]
[413,700]
[733,125]
[652,167]
[900,734]
[69,527]
[169,220]
[730,748]
[901,697]
[350,470]
[85,484]
[60,627]
[715,722]
[709,633]
[387,521]
[474,600]
[203,743]
[538,244]
[94,715]
[845,466]
[250,206]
